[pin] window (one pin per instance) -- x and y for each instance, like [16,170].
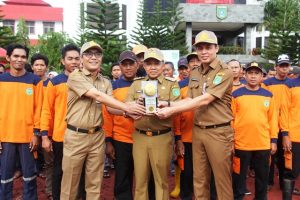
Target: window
[31,27]
[258,42]
[10,24]
[48,26]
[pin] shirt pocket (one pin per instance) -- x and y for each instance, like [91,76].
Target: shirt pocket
[195,89]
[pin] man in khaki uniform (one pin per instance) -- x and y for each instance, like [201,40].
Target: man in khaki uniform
[210,96]
[84,139]
[152,138]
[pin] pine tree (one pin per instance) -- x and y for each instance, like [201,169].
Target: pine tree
[82,38]
[6,35]
[282,18]
[103,20]
[160,28]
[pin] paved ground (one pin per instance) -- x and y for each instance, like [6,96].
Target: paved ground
[107,189]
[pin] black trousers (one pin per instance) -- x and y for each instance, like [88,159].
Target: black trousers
[186,176]
[260,160]
[294,173]
[277,159]
[57,169]
[124,171]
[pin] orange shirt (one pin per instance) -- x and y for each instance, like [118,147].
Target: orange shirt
[20,108]
[183,124]
[55,108]
[235,87]
[292,93]
[122,128]
[255,119]
[276,87]
[45,83]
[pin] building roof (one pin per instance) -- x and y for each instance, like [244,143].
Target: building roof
[32,13]
[27,2]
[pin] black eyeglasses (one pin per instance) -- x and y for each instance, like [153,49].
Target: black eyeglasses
[91,54]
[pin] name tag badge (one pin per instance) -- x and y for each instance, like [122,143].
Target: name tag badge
[204,88]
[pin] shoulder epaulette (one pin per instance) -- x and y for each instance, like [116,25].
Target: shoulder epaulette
[170,79]
[138,78]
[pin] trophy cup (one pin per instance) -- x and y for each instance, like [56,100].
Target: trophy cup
[150,95]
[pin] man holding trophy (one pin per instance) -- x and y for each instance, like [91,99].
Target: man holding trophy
[152,138]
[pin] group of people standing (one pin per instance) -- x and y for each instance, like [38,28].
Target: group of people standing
[217,120]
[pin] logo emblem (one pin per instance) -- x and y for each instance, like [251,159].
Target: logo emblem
[267,103]
[221,12]
[176,92]
[218,79]
[29,91]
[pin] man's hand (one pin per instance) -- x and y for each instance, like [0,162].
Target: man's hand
[135,117]
[140,101]
[34,143]
[135,109]
[46,144]
[273,148]
[286,143]
[110,150]
[164,113]
[162,104]
[0,148]
[179,148]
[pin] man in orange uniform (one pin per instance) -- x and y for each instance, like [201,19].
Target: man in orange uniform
[119,142]
[54,112]
[183,133]
[39,65]
[236,68]
[292,150]
[276,85]
[21,102]
[255,125]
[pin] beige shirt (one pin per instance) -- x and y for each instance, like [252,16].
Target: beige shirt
[84,112]
[168,89]
[217,81]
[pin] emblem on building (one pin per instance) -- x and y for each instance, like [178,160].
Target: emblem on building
[221,12]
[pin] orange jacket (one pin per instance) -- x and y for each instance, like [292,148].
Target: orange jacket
[292,92]
[255,119]
[184,122]
[55,108]
[122,128]
[276,87]
[20,108]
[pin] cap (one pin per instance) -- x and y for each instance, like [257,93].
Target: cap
[253,65]
[191,55]
[89,45]
[283,58]
[182,62]
[137,49]
[154,53]
[127,55]
[206,37]
[294,70]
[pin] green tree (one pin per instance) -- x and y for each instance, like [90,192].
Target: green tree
[160,28]
[22,32]
[282,19]
[6,35]
[82,32]
[50,45]
[103,19]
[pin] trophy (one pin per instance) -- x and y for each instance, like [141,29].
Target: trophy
[150,95]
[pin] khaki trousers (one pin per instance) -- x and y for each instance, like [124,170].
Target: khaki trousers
[80,148]
[212,150]
[152,153]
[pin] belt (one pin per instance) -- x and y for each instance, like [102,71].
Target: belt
[154,133]
[214,126]
[81,130]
